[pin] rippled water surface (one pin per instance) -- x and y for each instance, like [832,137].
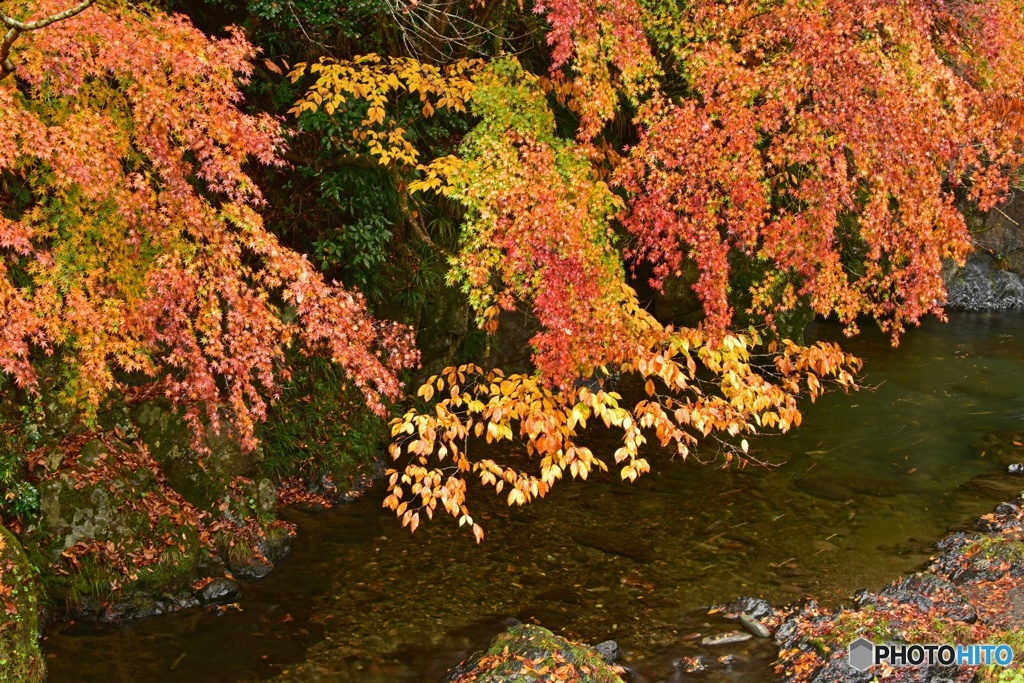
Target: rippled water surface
[869,482]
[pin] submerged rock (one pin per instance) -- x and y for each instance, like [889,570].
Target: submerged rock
[616,543]
[996,486]
[727,638]
[873,486]
[531,654]
[609,651]
[823,488]
[1006,447]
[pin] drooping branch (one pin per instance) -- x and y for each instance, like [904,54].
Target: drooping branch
[15,28]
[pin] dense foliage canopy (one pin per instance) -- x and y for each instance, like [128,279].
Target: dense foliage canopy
[561,159]
[130,229]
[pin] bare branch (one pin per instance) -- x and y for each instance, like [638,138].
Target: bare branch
[46,21]
[430,28]
[6,65]
[412,216]
[15,28]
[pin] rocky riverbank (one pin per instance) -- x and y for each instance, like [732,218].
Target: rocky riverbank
[972,591]
[134,520]
[136,513]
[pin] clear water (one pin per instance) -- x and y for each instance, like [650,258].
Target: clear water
[863,489]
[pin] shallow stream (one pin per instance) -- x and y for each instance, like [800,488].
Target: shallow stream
[866,485]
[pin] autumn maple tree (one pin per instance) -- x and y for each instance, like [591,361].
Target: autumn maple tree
[827,147]
[833,144]
[130,238]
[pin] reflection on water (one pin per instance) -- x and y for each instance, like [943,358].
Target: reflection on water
[867,484]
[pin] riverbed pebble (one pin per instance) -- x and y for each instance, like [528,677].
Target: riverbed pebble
[726,638]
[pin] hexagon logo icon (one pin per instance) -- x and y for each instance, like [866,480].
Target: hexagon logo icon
[862,654]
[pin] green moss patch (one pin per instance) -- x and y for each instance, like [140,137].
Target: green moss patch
[20,659]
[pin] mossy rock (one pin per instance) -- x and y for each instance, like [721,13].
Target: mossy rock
[102,500]
[20,658]
[168,439]
[531,654]
[71,512]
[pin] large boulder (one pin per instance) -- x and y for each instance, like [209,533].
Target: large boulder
[200,478]
[86,501]
[125,545]
[123,542]
[1006,447]
[993,276]
[983,283]
[224,482]
[531,654]
[20,659]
